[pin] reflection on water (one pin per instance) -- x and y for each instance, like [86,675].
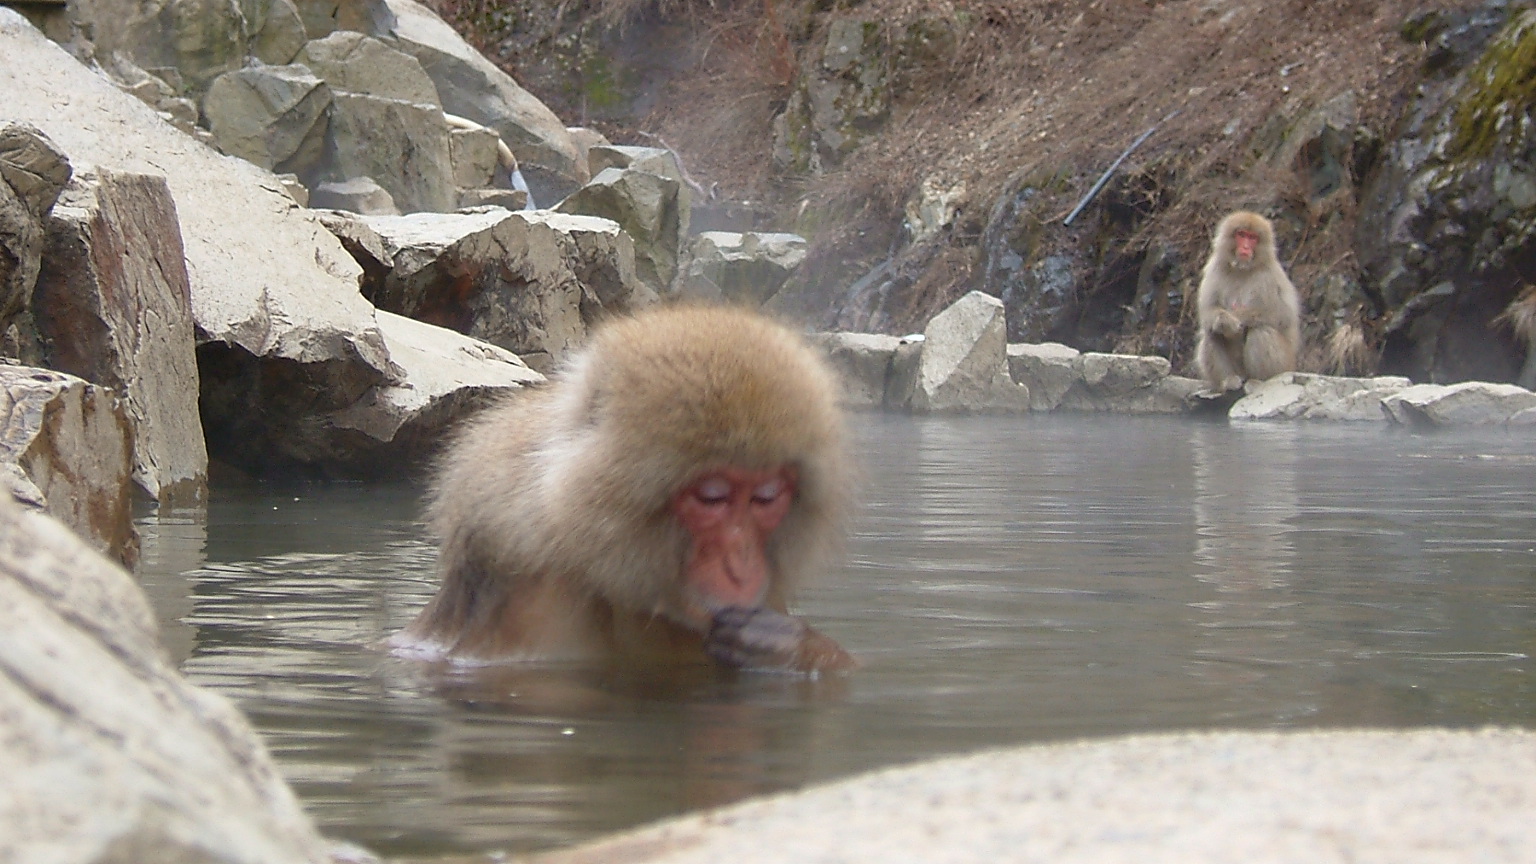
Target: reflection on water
[1012,580]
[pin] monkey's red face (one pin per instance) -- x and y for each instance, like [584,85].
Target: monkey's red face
[1246,241]
[729,514]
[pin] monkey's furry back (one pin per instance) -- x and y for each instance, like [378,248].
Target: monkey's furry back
[575,480]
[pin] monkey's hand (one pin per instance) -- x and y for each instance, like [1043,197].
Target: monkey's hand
[1224,322]
[766,639]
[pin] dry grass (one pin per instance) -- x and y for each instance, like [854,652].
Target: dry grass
[1044,86]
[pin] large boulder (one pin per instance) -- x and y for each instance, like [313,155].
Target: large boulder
[33,172]
[473,87]
[65,447]
[1048,369]
[963,363]
[651,208]
[113,306]
[276,117]
[1256,797]
[529,282]
[275,30]
[357,63]
[323,17]
[742,268]
[1470,403]
[1448,219]
[199,39]
[395,428]
[108,754]
[842,94]
[403,146]
[1127,384]
[361,195]
[269,285]
[863,363]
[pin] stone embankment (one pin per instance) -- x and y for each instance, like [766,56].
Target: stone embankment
[961,363]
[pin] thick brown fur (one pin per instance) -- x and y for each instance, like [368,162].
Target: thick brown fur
[552,506]
[1249,312]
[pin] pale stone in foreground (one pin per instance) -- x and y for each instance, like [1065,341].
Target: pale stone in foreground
[107,753]
[1316,797]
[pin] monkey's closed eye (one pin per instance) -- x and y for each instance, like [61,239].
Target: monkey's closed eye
[768,492]
[713,490]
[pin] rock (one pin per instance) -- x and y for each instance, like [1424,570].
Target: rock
[506,199]
[1193,798]
[358,195]
[395,428]
[1317,144]
[528,281]
[601,255]
[473,87]
[1280,397]
[863,363]
[69,448]
[842,94]
[475,157]
[266,279]
[32,166]
[1304,396]
[400,145]
[369,17]
[1048,369]
[1470,403]
[906,364]
[114,307]
[741,268]
[275,29]
[1447,218]
[933,207]
[276,117]
[294,189]
[362,242]
[963,364]
[356,63]
[21,250]
[108,753]
[200,39]
[653,160]
[32,173]
[585,139]
[652,210]
[1127,383]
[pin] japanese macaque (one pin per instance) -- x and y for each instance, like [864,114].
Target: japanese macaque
[658,503]
[1250,314]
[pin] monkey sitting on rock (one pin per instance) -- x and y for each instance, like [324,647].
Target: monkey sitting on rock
[657,504]
[1249,312]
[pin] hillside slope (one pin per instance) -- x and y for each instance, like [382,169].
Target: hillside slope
[994,103]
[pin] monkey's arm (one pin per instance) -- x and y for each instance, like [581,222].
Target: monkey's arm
[763,638]
[1225,322]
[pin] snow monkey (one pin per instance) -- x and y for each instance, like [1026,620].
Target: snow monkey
[658,503]
[1250,314]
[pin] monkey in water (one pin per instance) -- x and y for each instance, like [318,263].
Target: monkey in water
[1249,312]
[658,503]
